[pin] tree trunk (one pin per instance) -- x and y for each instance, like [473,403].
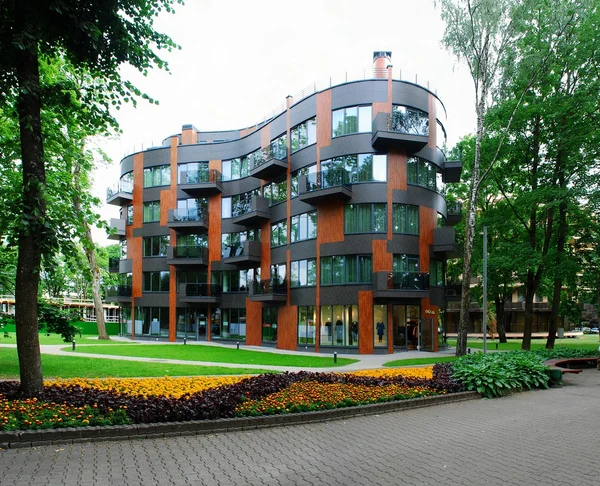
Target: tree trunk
[89,251]
[32,230]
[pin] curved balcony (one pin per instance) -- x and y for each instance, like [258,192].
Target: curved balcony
[200,293]
[118,196]
[453,213]
[187,255]
[200,183]
[329,185]
[270,290]
[398,285]
[269,163]
[399,130]
[188,220]
[251,211]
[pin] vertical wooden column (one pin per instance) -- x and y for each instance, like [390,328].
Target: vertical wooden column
[168,201]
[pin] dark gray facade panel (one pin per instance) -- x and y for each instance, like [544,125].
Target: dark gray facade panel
[341,294]
[278,212]
[303,250]
[240,186]
[278,256]
[435,156]
[354,244]
[304,157]
[359,93]
[357,143]
[304,110]
[369,192]
[419,196]
[228,227]
[218,135]
[126,165]
[125,266]
[299,207]
[153,193]
[155,264]
[303,296]
[150,229]
[157,156]
[219,151]
[404,244]
[153,299]
[233,300]
[408,94]
[278,126]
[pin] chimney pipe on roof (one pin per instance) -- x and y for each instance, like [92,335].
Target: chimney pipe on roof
[381,60]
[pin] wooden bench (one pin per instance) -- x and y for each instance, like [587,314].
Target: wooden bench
[560,366]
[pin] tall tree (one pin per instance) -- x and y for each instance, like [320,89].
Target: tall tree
[93,35]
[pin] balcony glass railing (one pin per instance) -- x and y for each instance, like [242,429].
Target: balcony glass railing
[202,290]
[241,207]
[404,120]
[327,179]
[190,251]
[113,264]
[124,186]
[408,281]
[454,207]
[270,286]
[201,177]
[262,156]
[118,291]
[184,215]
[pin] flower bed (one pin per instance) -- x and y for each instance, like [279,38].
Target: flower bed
[81,402]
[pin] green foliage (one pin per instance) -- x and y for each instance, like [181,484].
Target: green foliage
[495,374]
[556,353]
[57,320]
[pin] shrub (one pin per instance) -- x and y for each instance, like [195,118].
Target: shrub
[495,374]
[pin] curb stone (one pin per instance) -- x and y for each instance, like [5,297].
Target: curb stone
[35,438]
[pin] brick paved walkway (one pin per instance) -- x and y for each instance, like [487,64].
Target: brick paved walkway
[535,438]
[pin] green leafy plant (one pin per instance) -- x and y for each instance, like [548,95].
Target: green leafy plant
[495,374]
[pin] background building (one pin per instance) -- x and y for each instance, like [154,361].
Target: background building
[324,228]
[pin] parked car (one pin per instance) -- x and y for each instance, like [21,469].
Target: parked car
[587,330]
[594,330]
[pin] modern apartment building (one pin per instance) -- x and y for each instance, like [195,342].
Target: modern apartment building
[322,228]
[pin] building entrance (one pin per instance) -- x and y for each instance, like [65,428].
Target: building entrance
[405,322]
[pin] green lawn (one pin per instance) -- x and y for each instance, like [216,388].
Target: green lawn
[57,339]
[80,367]
[420,361]
[587,341]
[215,354]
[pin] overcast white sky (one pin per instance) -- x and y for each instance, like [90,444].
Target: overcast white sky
[239,60]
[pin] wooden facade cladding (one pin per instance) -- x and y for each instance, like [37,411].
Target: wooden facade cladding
[385,106]
[429,311]
[330,223]
[253,323]
[365,318]
[323,123]
[427,224]
[214,228]
[382,260]
[189,136]
[134,245]
[396,175]
[287,327]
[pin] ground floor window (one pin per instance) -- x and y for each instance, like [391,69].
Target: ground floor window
[233,324]
[152,321]
[405,321]
[307,316]
[192,323]
[269,324]
[125,320]
[339,325]
[380,325]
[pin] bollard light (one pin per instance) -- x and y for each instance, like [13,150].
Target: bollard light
[335,357]
[496,345]
[468,350]
[73,344]
[184,341]
[238,345]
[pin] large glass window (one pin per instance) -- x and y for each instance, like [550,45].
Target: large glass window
[129,218]
[304,227]
[269,324]
[405,219]
[192,173]
[365,218]
[339,325]
[279,234]
[307,316]
[303,273]
[303,135]
[154,321]
[436,273]
[154,246]
[156,281]
[276,192]
[157,176]
[233,324]
[151,212]
[232,244]
[380,325]
[424,174]
[360,167]
[347,269]
[409,120]
[236,280]
[353,119]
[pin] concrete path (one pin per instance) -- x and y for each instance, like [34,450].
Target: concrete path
[544,438]
[364,361]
